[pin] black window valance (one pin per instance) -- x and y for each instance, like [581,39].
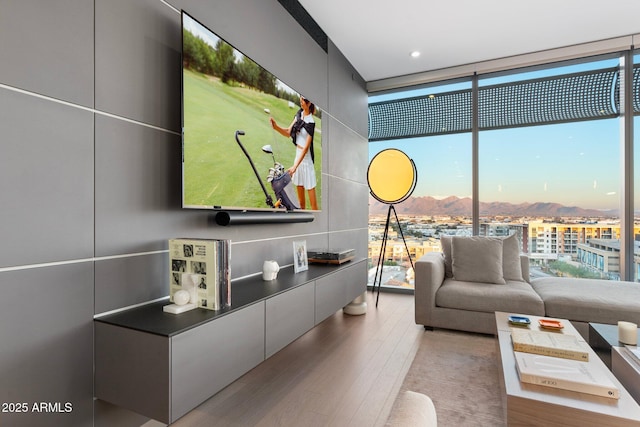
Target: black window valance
[588,95]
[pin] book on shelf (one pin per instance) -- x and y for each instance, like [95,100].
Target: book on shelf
[201,267]
[565,374]
[549,344]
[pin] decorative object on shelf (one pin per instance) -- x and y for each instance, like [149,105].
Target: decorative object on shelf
[185,297]
[628,333]
[392,177]
[181,297]
[300,261]
[190,284]
[270,270]
[554,325]
[201,267]
[331,257]
[177,309]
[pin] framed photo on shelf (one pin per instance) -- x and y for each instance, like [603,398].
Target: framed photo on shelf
[300,261]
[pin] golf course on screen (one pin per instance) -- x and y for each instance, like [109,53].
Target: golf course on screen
[216,172]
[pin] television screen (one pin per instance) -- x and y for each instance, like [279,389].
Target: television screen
[249,141]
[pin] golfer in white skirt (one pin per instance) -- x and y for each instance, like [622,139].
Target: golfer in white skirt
[301,130]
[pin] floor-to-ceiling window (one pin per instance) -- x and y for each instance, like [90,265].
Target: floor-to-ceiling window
[548,166]
[548,159]
[438,140]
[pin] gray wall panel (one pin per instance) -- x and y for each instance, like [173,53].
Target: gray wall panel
[347,93]
[138,65]
[46,180]
[352,204]
[247,257]
[47,48]
[351,239]
[138,187]
[348,155]
[46,353]
[122,282]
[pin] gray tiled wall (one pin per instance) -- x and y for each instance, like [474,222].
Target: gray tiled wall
[90,175]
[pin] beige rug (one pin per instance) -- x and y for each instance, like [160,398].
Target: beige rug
[459,372]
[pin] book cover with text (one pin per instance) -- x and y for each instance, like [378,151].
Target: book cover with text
[207,263]
[565,374]
[549,344]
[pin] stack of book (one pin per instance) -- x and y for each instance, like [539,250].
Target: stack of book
[203,268]
[560,361]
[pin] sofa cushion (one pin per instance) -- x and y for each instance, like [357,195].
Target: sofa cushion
[477,259]
[512,297]
[589,300]
[445,242]
[511,264]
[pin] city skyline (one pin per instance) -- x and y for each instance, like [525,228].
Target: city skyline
[461,207]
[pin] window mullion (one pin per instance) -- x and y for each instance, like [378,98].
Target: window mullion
[475,198]
[626,167]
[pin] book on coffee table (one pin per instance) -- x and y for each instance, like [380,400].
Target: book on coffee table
[549,344]
[565,374]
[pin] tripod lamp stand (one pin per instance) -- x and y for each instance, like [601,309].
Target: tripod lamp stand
[392,177]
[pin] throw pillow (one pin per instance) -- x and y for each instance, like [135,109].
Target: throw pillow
[477,259]
[511,267]
[445,242]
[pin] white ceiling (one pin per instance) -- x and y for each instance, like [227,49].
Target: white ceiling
[377,36]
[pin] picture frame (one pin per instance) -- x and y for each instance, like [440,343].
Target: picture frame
[300,261]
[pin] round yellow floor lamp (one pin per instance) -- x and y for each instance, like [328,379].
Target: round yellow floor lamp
[392,177]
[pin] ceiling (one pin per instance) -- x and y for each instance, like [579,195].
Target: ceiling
[378,36]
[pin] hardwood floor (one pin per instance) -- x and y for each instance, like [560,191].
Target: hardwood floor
[345,372]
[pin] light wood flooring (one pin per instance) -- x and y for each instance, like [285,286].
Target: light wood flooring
[345,372]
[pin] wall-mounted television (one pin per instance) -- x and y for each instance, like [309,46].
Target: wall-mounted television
[236,116]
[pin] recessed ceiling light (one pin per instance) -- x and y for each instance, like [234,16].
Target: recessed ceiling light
[415,54]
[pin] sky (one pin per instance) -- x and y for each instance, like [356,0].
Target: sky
[574,164]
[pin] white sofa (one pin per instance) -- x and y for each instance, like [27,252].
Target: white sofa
[462,287]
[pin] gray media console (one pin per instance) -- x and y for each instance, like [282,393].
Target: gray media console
[163,365]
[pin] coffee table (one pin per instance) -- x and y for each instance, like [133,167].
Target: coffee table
[602,338]
[531,404]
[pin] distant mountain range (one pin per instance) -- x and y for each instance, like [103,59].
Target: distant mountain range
[456,206]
